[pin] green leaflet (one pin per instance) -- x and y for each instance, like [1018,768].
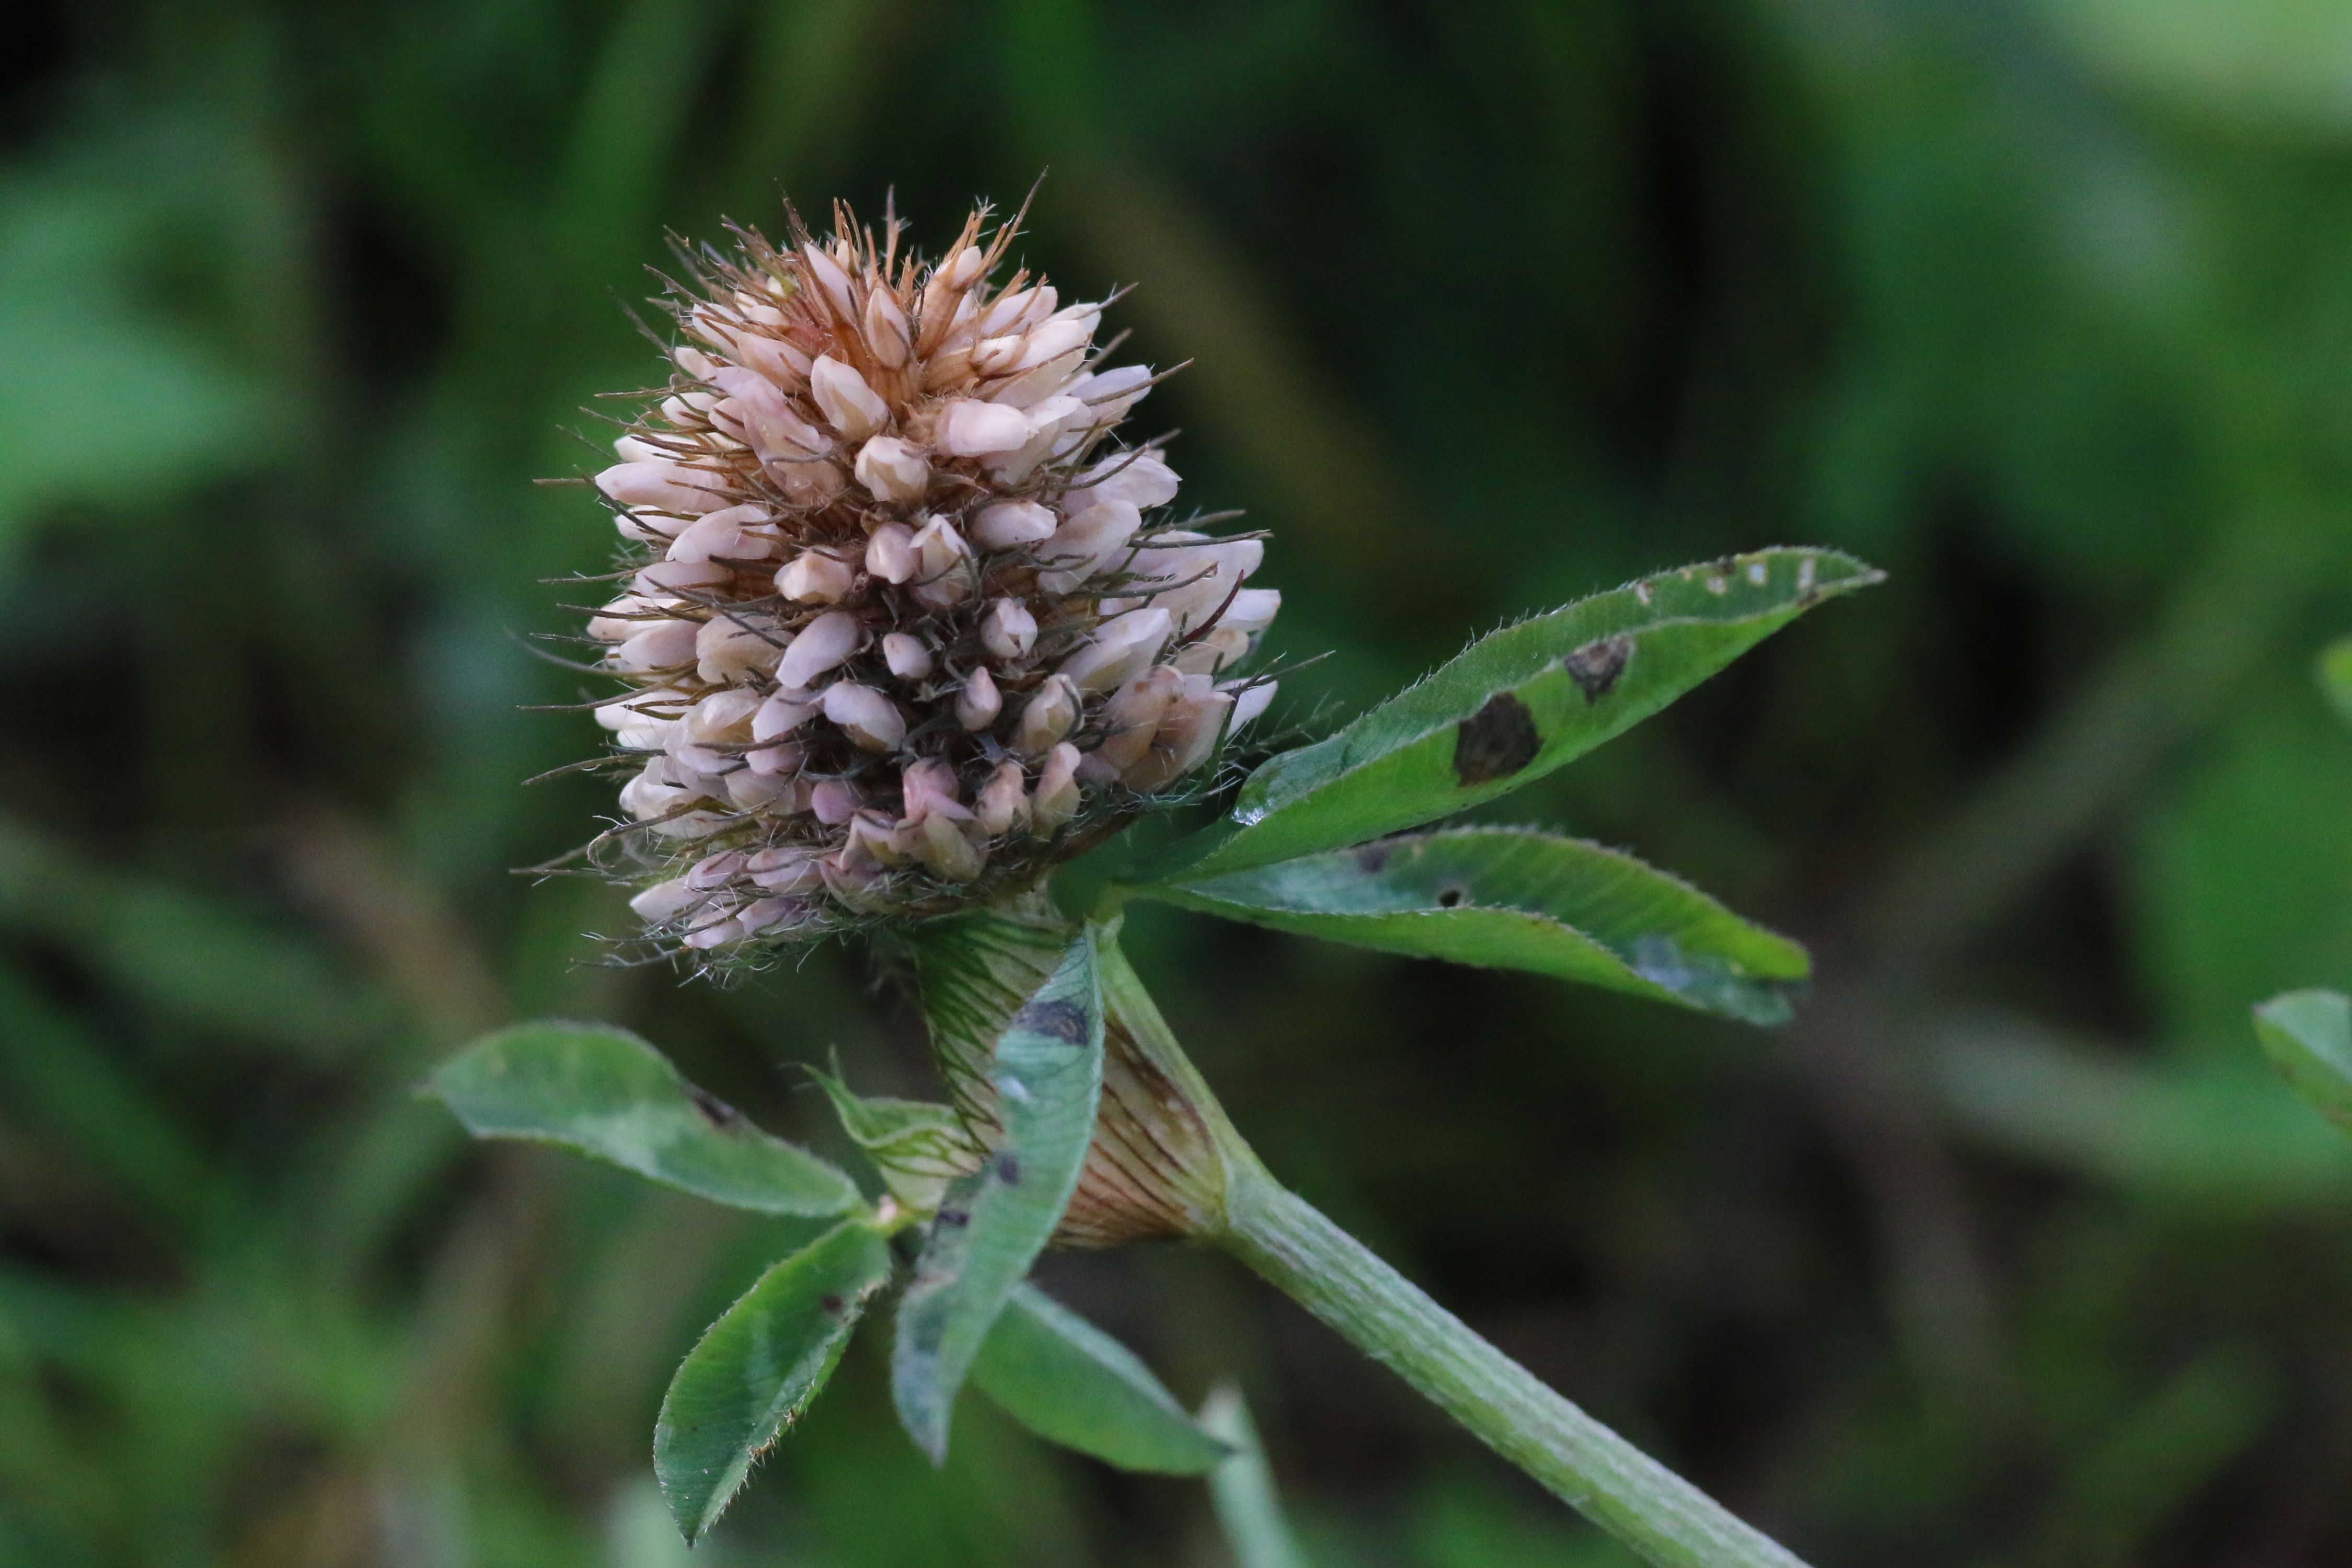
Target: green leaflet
[2309,1037]
[1045,1073]
[1248,1508]
[2336,675]
[608,1094]
[1515,705]
[918,1147]
[759,1367]
[1067,1381]
[1511,898]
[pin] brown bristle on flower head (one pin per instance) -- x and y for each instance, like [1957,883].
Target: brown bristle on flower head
[906,619]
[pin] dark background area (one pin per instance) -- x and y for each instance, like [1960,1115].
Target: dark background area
[2010,1254]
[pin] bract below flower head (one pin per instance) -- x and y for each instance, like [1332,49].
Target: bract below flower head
[903,623]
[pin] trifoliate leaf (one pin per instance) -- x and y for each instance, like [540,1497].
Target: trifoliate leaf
[1070,1383]
[759,1367]
[2308,1036]
[608,1094]
[1514,707]
[1045,1073]
[1509,898]
[918,1146]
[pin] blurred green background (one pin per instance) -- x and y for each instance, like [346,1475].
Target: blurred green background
[2010,1254]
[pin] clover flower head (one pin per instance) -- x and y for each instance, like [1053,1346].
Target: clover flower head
[905,622]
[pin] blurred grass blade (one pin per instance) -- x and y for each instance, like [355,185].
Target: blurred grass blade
[1511,898]
[1046,1073]
[1515,705]
[608,1094]
[918,1146]
[759,1367]
[57,1080]
[1243,1490]
[1067,1381]
[2308,1036]
[194,959]
[2336,675]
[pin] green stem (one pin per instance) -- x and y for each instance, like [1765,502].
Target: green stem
[1625,1492]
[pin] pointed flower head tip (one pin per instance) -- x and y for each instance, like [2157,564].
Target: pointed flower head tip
[903,619]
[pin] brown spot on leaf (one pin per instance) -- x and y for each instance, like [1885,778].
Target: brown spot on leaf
[954,1219]
[834,1305]
[1372,856]
[715,1110]
[1498,740]
[1008,1169]
[1596,665]
[1450,898]
[1057,1020]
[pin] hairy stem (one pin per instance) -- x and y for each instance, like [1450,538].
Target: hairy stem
[1625,1492]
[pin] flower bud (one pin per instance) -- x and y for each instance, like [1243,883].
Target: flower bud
[849,405]
[833,280]
[1010,524]
[723,718]
[907,657]
[994,356]
[635,727]
[939,843]
[1121,648]
[725,535]
[890,553]
[1250,701]
[1132,718]
[750,790]
[1138,479]
[664,901]
[662,644]
[865,715]
[929,786]
[1051,712]
[778,717]
[821,645]
[971,427]
[1004,802]
[886,329]
[1055,338]
[1085,542]
[714,871]
[1253,610]
[1008,631]
[777,359]
[873,838]
[834,801]
[943,574]
[717,930]
[767,915]
[664,486]
[892,470]
[817,577]
[1188,737]
[726,647]
[622,619]
[963,270]
[1056,800]
[1213,649]
[764,417]
[680,577]
[785,869]
[979,703]
[1110,394]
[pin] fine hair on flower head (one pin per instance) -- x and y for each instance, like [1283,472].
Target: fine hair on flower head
[905,621]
